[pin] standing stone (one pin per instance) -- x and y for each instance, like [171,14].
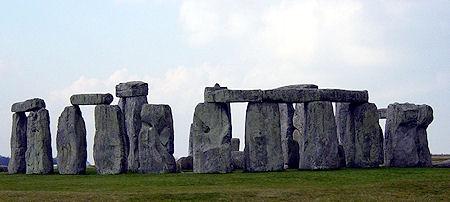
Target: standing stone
[212,138]
[288,144]
[262,138]
[156,140]
[191,142]
[131,108]
[319,145]
[109,141]
[345,130]
[71,142]
[238,159]
[38,156]
[406,143]
[341,154]
[18,143]
[235,142]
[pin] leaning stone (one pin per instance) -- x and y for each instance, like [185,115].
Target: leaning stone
[153,155]
[109,141]
[71,142]
[235,142]
[38,156]
[382,113]
[406,143]
[91,99]
[262,138]
[185,163]
[237,160]
[132,89]
[212,138]
[160,117]
[319,144]
[18,144]
[28,105]
[131,108]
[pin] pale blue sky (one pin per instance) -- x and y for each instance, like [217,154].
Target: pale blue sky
[398,50]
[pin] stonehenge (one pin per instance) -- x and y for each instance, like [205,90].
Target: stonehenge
[293,127]
[406,143]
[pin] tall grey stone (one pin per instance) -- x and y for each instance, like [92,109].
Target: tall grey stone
[18,143]
[28,105]
[345,129]
[319,144]
[406,143]
[71,142]
[156,140]
[288,144]
[38,156]
[191,142]
[132,89]
[160,117]
[131,108]
[153,155]
[91,99]
[211,135]
[110,140]
[262,150]
[235,142]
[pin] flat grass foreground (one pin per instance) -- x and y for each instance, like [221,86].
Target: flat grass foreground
[347,184]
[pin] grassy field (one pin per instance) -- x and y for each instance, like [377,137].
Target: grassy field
[346,184]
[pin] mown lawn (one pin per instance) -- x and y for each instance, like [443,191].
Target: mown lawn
[347,184]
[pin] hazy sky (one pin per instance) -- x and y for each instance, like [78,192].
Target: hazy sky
[397,50]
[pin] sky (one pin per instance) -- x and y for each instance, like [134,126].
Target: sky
[397,50]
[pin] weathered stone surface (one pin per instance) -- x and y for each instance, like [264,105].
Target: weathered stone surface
[298,86]
[262,138]
[341,154]
[91,99]
[288,145]
[191,142]
[235,142]
[160,117]
[442,164]
[237,159]
[406,143]
[71,142]
[225,95]
[18,143]
[38,156]
[132,89]
[382,113]
[153,155]
[299,125]
[110,140]
[360,134]
[28,105]
[212,138]
[185,163]
[131,108]
[318,147]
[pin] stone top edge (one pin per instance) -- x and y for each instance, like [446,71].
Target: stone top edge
[32,104]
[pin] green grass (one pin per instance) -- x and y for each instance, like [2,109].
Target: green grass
[347,184]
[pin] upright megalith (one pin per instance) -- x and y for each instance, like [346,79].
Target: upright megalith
[211,135]
[71,142]
[156,140]
[262,150]
[38,156]
[319,144]
[110,140]
[288,144]
[133,95]
[235,142]
[18,143]
[406,143]
[191,142]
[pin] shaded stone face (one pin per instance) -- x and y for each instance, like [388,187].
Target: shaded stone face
[289,146]
[406,143]
[185,163]
[18,143]
[238,160]
[160,117]
[319,144]
[110,140]
[132,89]
[91,99]
[38,156]
[71,142]
[131,108]
[263,150]
[345,129]
[341,154]
[235,142]
[153,155]
[28,105]
[191,142]
[211,135]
